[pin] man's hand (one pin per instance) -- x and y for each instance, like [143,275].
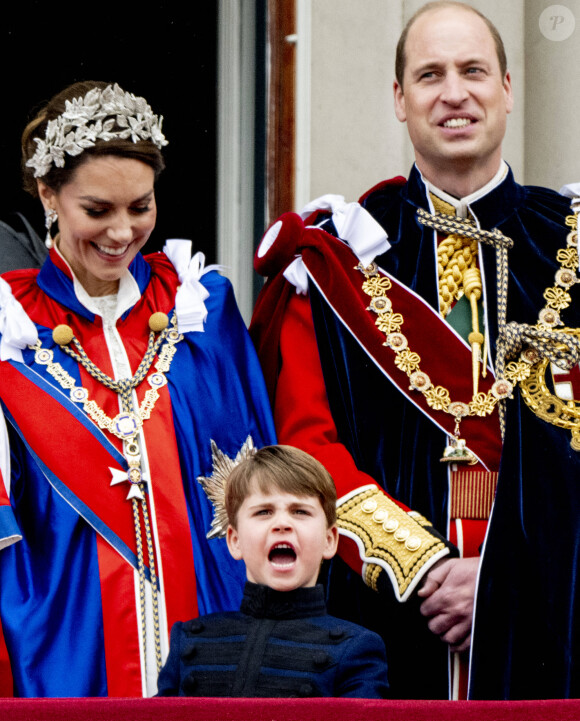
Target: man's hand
[449,591]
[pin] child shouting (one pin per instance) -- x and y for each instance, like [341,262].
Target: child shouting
[281,507]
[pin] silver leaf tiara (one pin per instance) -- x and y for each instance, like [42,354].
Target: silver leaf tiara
[86,120]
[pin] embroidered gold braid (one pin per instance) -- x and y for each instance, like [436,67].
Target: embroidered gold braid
[448,224]
[456,254]
[459,276]
[399,539]
[454,257]
[547,406]
[126,426]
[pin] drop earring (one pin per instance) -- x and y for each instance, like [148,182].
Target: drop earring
[50,217]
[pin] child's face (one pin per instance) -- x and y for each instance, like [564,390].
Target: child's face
[282,539]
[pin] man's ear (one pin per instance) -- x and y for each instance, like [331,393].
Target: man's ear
[399,97]
[509,98]
[233,541]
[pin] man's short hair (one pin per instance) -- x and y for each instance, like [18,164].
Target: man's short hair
[401,59]
[282,468]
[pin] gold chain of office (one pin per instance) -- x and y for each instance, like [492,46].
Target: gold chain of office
[531,342]
[162,341]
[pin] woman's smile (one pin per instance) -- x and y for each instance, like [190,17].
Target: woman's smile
[106,214]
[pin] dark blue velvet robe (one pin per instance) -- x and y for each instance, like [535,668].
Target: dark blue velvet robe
[526,632]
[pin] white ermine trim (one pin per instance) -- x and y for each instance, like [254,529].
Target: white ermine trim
[269,238]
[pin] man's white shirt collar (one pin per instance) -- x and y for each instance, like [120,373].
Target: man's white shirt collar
[461,205]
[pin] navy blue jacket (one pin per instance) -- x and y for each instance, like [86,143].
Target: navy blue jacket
[280,644]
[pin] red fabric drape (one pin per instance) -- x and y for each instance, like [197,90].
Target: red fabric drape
[284,710]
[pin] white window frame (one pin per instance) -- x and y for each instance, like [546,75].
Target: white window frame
[235,172]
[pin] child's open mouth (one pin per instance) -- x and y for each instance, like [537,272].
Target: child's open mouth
[282,554]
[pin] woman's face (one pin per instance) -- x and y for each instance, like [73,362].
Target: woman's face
[106,213]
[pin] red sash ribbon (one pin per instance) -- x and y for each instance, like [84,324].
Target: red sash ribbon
[445,357]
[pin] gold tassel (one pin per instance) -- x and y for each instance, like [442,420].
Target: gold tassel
[472,288]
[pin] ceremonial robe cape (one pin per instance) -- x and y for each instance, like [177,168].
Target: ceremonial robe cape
[522,583]
[69,600]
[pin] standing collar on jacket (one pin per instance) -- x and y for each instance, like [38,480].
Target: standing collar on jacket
[264,602]
[498,199]
[461,205]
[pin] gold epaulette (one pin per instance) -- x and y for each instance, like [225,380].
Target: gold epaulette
[391,540]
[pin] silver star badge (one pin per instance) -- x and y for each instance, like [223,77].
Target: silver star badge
[215,485]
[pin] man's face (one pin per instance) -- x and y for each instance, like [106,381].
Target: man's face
[454,98]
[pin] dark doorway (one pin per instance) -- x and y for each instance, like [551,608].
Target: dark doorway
[165,51]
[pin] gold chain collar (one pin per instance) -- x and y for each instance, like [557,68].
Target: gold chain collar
[481,404]
[408,361]
[125,426]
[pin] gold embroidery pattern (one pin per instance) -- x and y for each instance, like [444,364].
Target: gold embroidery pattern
[548,406]
[399,539]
